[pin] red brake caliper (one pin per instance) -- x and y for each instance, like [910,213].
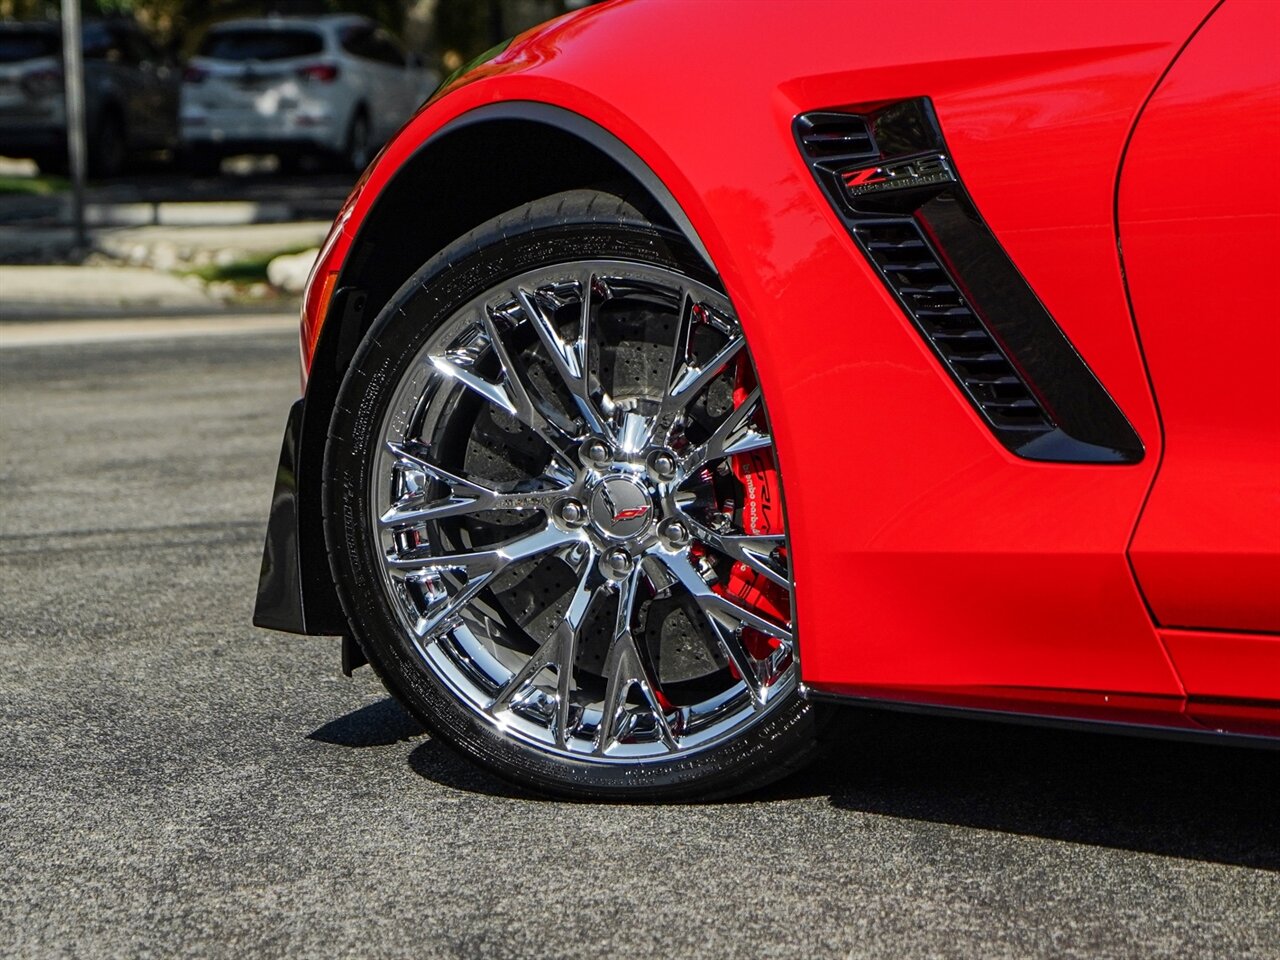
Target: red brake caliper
[761,516]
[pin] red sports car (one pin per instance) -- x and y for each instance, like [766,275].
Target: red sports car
[683,371]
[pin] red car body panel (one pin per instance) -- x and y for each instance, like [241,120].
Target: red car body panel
[1226,665]
[1206,551]
[930,563]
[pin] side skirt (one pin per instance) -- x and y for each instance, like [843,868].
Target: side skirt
[1230,723]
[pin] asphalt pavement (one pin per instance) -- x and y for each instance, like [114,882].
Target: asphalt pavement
[176,782]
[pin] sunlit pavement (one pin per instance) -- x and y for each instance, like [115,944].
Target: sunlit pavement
[177,782]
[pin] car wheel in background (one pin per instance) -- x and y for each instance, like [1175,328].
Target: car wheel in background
[554,517]
[109,148]
[55,163]
[201,161]
[291,162]
[359,143]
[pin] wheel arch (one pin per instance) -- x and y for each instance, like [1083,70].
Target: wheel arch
[492,159]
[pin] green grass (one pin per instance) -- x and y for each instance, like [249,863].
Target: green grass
[41,186]
[244,271]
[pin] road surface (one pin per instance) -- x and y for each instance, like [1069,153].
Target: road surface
[177,782]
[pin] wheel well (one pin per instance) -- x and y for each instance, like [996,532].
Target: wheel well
[456,181]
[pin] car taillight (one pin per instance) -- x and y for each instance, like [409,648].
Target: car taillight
[194,75]
[319,73]
[43,82]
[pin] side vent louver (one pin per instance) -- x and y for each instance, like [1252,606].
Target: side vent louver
[910,268]
[835,137]
[889,175]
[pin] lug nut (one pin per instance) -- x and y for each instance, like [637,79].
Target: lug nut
[616,564]
[662,465]
[571,512]
[673,534]
[594,452]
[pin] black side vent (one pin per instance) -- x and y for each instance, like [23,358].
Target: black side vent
[889,175]
[909,266]
[835,137]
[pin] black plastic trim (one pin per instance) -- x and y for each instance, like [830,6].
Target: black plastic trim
[1150,731]
[279,605]
[901,198]
[295,589]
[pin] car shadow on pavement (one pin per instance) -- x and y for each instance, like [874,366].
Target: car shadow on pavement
[385,722]
[1197,801]
[439,763]
[378,724]
[1173,798]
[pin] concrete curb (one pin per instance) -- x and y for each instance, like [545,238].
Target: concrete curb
[16,313]
[15,336]
[52,211]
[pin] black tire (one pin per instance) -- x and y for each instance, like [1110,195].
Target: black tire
[578,225]
[109,148]
[55,164]
[359,147]
[290,163]
[202,161]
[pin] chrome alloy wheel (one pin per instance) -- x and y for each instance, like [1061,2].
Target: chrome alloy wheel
[556,487]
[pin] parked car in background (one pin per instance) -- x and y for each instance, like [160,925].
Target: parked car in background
[131,94]
[334,86]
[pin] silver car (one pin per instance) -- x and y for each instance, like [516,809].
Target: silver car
[333,86]
[131,94]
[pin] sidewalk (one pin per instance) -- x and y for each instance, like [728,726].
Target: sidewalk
[54,333]
[155,270]
[44,293]
[51,210]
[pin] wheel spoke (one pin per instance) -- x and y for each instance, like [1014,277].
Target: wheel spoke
[723,607]
[682,344]
[558,651]
[744,664]
[465,496]
[726,619]
[569,359]
[480,567]
[625,670]
[737,433]
[687,379]
[493,558]
[443,614]
[510,393]
[755,551]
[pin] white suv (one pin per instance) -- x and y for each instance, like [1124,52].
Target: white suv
[335,86]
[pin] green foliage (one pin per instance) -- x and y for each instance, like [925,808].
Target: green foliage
[463,25]
[41,186]
[252,269]
[187,19]
[461,28]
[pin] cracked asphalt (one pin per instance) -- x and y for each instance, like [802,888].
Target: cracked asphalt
[175,782]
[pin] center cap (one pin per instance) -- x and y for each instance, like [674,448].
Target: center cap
[620,507]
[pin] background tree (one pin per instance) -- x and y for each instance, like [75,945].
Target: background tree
[448,31]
